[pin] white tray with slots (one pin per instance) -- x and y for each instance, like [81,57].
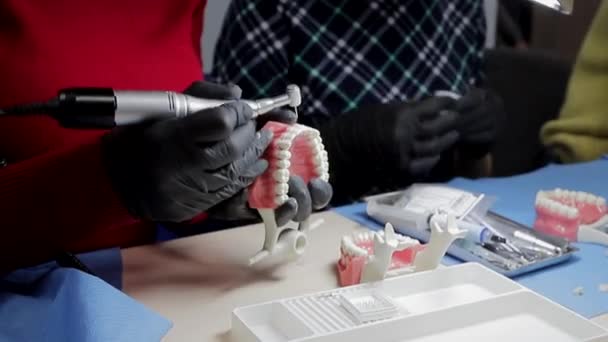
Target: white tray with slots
[466,302]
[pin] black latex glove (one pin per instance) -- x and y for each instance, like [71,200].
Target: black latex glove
[480,113]
[174,169]
[379,145]
[303,198]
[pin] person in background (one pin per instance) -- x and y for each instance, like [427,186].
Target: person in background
[76,190]
[580,133]
[369,71]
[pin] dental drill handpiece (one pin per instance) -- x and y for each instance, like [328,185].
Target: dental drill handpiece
[106,107]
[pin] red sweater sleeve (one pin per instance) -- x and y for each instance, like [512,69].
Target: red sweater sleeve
[62,200]
[54,194]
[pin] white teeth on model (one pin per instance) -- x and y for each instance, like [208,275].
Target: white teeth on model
[563,210]
[588,198]
[281,189]
[280,199]
[601,201]
[580,196]
[539,197]
[325,177]
[316,151]
[282,154]
[283,163]
[361,237]
[556,207]
[281,175]
[317,160]
[283,144]
[544,202]
[351,248]
[343,246]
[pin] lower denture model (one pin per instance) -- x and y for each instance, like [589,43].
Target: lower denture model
[573,215]
[294,150]
[372,256]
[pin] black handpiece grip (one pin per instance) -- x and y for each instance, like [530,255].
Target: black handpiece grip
[86,108]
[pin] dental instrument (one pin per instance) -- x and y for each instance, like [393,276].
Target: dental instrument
[536,242]
[107,107]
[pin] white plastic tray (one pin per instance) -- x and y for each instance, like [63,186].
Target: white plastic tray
[466,302]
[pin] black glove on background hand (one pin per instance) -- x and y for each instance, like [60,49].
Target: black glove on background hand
[480,113]
[377,145]
[303,198]
[174,169]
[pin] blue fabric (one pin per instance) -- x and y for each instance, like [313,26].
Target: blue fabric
[515,199]
[51,303]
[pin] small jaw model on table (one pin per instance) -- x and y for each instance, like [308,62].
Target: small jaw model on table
[372,256]
[574,215]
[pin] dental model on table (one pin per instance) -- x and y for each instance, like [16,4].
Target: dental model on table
[295,150]
[573,215]
[373,256]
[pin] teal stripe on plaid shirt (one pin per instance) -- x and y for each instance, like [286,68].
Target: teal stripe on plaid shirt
[331,75]
[298,57]
[352,105]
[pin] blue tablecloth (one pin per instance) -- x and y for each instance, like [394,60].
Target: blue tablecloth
[51,303]
[516,195]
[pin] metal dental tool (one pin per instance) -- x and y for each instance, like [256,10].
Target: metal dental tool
[537,242]
[106,107]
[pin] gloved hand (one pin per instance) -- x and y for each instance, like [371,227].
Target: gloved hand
[376,145]
[172,170]
[303,198]
[480,113]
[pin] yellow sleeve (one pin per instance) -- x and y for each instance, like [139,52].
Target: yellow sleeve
[580,133]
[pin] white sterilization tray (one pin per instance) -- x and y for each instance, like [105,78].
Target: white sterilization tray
[466,302]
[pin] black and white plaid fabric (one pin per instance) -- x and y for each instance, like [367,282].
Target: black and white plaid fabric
[345,54]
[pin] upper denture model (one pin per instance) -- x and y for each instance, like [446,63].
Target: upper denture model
[573,215]
[294,150]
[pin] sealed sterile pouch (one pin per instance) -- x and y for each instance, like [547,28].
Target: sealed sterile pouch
[499,243]
[415,205]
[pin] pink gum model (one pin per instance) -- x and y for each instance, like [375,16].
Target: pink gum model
[356,248]
[373,256]
[566,213]
[294,150]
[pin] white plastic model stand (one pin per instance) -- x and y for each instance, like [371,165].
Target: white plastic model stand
[286,242]
[466,302]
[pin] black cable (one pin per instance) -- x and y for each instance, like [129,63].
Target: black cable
[67,259]
[31,108]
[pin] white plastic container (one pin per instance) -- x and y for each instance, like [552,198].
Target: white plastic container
[466,302]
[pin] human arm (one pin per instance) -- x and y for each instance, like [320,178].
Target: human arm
[169,170]
[580,133]
[48,206]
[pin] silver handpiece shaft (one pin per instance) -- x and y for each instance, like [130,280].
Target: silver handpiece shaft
[137,106]
[259,106]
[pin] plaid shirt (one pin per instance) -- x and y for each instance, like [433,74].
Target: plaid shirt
[345,54]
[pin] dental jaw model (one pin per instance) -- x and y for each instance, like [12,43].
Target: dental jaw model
[372,256]
[294,150]
[573,215]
